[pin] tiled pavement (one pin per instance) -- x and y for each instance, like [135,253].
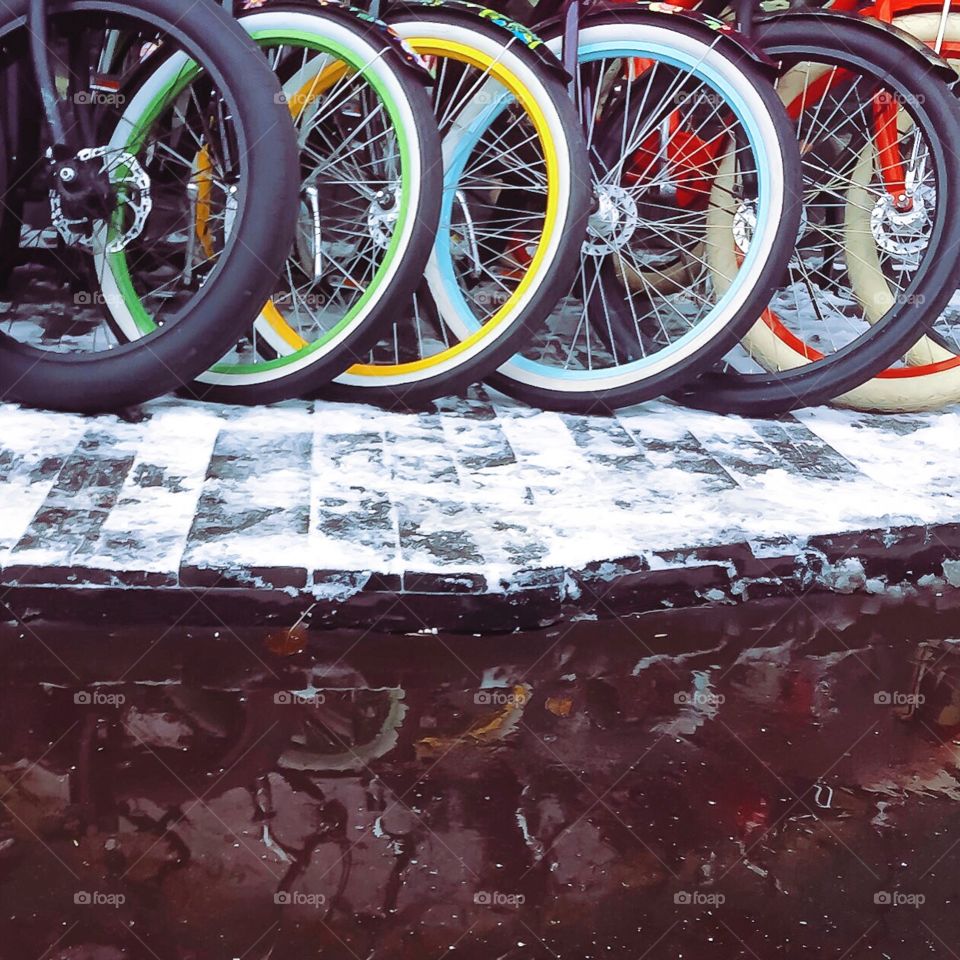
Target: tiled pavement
[513,508]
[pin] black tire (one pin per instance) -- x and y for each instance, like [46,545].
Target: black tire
[455,380]
[222,308]
[860,46]
[10,139]
[513,379]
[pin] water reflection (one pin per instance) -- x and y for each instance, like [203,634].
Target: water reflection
[770,781]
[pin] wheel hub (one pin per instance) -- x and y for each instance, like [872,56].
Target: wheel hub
[613,222]
[903,228]
[744,224]
[382,216]
[101,192]
[745,227]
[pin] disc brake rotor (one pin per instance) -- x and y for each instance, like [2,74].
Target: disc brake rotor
[382,216]
[903,232]
[613,222]
[131,186]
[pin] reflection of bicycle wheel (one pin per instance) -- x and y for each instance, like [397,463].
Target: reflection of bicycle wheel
[346,729]
[870,264]
[663,104]
[145,90]
[512,216]
[369,197]
[183,738]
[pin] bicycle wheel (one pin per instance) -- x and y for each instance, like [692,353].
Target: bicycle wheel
[371,179]
[664,102]
[513,209]
[172,107]
[875,259]
[930,377]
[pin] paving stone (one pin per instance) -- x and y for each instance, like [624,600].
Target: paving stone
[66,526]
[353,521]
[252,521]
[340,505]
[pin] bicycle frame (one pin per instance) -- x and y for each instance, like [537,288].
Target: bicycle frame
[689,158]
[895,172]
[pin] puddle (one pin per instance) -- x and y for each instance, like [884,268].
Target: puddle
[775,780]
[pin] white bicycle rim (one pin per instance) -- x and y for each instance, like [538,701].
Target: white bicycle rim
[701,57]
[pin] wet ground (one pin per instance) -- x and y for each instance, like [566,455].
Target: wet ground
[774,780]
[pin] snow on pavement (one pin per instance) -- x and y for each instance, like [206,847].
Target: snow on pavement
[480,488]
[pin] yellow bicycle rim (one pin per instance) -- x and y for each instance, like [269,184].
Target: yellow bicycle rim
[464,54]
